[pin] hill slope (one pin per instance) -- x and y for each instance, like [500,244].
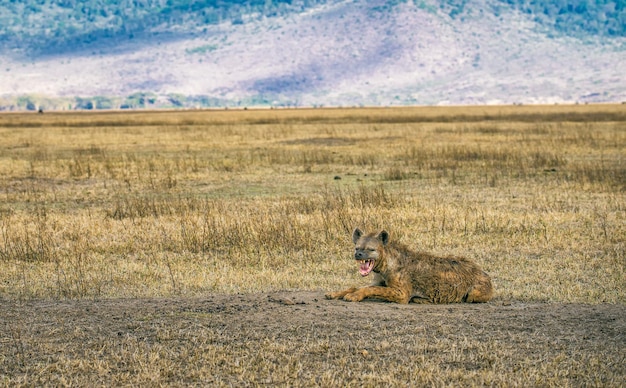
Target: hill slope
[317,53]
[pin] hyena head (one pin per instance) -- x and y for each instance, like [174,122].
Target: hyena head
[368,249]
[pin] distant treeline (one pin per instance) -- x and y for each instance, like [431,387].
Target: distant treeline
[577,17]
[140,100]
[51,26]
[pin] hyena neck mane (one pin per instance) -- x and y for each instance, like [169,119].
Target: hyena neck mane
[395,254]
[392,255]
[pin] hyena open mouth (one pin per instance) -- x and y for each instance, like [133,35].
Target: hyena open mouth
[366,266]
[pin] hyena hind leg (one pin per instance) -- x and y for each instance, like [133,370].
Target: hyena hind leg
[481,292]
[340,294]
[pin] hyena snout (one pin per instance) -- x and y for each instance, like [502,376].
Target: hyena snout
[360,255]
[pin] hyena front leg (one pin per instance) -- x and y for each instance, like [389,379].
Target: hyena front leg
[340,294]
[390,294]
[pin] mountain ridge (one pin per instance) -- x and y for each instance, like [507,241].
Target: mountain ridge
[329,53]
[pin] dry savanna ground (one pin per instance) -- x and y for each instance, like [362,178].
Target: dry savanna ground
[194,248]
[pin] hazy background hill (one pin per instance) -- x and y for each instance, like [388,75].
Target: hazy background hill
[100,54]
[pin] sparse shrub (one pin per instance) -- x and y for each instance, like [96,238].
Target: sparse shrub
[395,174]
[29,240]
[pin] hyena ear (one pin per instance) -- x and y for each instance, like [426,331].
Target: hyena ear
[383,236]
[356,235]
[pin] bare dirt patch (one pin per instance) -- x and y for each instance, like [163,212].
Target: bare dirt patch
[302,339]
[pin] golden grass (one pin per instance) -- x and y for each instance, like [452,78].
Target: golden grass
[98,205]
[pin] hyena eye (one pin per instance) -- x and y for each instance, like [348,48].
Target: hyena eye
[371,249]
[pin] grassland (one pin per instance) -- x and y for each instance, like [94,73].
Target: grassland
[99,211]
[100,205]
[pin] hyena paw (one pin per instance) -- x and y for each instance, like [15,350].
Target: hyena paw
[353,297]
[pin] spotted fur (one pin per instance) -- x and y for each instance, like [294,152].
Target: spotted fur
[402,275]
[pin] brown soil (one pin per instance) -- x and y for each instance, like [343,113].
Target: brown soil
[299,338]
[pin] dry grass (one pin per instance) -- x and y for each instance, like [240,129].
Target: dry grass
[209,204]
[184,203]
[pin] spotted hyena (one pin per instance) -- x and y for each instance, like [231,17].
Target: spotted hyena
[402,275]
